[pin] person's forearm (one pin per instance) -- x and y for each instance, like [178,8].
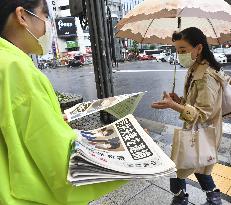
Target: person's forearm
[177,107]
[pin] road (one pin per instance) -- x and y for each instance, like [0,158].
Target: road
[153,77]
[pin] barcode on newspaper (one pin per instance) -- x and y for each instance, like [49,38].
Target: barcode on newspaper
[132,139]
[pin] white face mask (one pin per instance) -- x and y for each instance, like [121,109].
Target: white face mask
[44,41]
[186,60]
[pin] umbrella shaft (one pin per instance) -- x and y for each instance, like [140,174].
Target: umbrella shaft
[179,23]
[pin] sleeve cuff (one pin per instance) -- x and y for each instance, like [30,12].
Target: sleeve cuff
[189,113]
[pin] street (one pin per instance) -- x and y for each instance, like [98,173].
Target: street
[130,77]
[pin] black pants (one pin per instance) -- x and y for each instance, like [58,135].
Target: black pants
[206,182]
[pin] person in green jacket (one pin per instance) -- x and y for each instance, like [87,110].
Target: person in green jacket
[34,138]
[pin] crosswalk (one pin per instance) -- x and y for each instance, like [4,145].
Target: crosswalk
[149,70]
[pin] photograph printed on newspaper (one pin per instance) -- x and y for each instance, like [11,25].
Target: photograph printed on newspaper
[118,106]
[121,150]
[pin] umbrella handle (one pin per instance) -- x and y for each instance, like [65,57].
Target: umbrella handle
[174,79]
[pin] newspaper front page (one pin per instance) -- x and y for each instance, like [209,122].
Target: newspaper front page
[118,106]
[121,150]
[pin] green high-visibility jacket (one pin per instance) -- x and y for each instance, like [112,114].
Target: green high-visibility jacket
[34,139]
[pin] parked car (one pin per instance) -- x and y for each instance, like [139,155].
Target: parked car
[162,57]
[220,56]
[158,55]
[172,57]
[145,57]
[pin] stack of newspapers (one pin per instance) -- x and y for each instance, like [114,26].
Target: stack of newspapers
[119,151]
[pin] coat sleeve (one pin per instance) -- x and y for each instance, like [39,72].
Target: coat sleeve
[205,103]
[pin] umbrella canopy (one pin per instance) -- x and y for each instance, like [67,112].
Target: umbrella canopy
[154,21]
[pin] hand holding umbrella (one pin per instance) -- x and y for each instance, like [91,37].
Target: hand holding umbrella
[175,97]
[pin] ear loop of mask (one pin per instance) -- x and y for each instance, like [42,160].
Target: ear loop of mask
[36,17]
[32,34]
[31,13]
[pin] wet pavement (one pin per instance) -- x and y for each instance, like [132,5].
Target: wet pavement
[128,78]
[154,77]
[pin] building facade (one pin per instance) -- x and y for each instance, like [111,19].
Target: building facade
[69,35]
[116,8]
[116,14]
[128,5]
[61,11]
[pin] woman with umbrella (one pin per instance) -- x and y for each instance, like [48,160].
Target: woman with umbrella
[202,102]
[34,138]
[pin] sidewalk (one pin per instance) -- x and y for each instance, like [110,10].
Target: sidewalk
[151,192]
[156,191]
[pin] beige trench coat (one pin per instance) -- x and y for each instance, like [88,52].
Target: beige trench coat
[204,98]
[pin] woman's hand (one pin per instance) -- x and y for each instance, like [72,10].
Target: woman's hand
[175,97]
[167,102]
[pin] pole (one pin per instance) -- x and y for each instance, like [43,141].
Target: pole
[98,29]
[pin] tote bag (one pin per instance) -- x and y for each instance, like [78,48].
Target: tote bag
[194,148]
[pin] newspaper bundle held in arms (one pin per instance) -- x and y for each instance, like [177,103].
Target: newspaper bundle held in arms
[119,151]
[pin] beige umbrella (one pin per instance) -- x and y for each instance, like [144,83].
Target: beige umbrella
[154,21]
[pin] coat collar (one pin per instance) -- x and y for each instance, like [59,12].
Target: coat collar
[199,70]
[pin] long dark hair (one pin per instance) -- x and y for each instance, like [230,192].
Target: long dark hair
[195,36]
[9,6]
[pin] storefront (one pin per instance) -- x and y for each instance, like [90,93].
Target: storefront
[67,34]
